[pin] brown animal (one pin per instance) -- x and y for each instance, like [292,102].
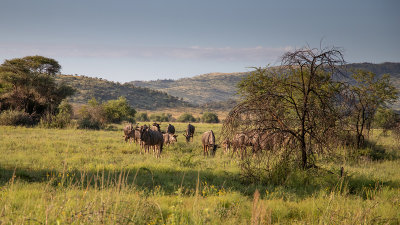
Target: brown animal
[189,132]
[208,141]
[170,129]
[268,140]
[129,132]
[156,127]
[154,139]
[169,138]
[240,141]
[226,144]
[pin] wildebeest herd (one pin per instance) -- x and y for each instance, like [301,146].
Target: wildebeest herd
[152,138]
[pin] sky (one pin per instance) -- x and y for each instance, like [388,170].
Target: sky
[126,40]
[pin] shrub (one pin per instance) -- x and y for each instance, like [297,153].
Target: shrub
[92,116]
[119,110]
[186,117]
[209,117]
[161,117]
[142,117]
[385,119]
[61,120]
[15,118]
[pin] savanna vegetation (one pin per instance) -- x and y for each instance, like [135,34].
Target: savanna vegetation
[309,143]
[104,90]
[82,176]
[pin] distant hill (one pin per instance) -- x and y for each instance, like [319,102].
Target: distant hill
[209,89]
[206,88]
[103,90]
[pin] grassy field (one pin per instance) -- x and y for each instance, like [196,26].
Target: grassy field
[51,176]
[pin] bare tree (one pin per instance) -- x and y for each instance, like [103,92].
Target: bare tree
[299,102]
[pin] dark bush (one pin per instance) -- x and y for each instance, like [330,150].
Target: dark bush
[209,117]
[186,117]
[61,120]
[161,117]
[15,118]
[89,123]
[142,117]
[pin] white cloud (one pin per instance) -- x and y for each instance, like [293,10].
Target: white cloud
[257,53]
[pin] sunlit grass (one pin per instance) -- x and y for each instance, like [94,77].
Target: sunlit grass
[92,177]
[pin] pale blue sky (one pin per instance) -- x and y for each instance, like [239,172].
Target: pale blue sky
[161,39]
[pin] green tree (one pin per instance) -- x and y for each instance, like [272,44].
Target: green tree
[28,84]
[119,110]
[209,117]
[369,93]
[186,117]
[386,119]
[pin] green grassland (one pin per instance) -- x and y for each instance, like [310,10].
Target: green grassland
[51,176]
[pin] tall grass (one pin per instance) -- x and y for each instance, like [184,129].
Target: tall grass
[51,176]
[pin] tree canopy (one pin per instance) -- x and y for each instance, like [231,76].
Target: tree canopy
[28,84]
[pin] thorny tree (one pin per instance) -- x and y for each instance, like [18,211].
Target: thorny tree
[300,100]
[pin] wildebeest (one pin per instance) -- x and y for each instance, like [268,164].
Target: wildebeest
[169,138]
[208,141]
[240,141]
[269,140]
[154,139]
[170,129]
[156,127]
[189,132]
[129,132]
[226,144]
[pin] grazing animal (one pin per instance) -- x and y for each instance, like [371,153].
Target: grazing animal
[265,140]
[156,127]
[208,141]
[189,132]
[170,129]
[154,139]
[240,141]
[169,138]
[129,132]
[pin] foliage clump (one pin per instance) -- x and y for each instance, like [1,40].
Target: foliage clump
[186,117]
[28,85]
[209,117]
[15,118]
[142,117]
[161,117]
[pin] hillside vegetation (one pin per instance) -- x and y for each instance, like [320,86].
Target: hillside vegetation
[104,90]
[212,87]
[220,88]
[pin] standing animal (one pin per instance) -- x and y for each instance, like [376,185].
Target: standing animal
[169,138]
[129,132]
[156,127]
[240,141]
[189,132]
[226,144]
[208,141]
[273,141]
[170,129]
[154,139]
